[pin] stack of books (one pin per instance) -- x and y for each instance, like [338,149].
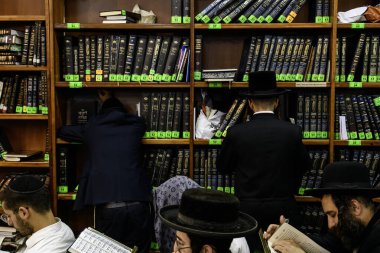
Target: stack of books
[119,16]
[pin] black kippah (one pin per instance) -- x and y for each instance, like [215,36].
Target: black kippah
[26,184]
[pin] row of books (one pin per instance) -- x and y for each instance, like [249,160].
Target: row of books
[313,115]
[357,117]
[162,164]
[312,178]
[369,158]
[365,64]
[24,94]
[123,58]
[167,114]
[180,11]
[292,58]
[230,11]
[312,218]
[26,48]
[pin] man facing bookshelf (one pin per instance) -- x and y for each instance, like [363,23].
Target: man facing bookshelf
[267,155]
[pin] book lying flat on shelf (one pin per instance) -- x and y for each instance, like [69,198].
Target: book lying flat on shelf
[17,156]
[91,240]
[288,232]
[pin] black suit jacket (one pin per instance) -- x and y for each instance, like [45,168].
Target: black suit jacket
[113,169]
[269,159]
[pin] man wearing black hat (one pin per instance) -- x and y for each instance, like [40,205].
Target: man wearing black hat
[267,155]
[206,221]
[346,195]
[26,206]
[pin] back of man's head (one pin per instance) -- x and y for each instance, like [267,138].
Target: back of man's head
[28,191]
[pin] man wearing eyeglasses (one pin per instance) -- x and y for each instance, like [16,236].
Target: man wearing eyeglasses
[207,221]
[26,206]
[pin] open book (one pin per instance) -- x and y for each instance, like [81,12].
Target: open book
[17,156]
[91,240]
[288,232]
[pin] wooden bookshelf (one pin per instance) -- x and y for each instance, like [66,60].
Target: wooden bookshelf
[144,85]
[37,163]
[21,68]
[97,26]
[264,26]
[22,18]
[14,116]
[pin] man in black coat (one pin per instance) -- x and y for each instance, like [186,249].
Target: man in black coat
[267,155]
[346,197]
[113,178]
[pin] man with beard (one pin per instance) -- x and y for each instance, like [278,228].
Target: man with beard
[346,197]
[26,206]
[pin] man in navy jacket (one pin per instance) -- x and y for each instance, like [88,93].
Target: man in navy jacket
[113,179]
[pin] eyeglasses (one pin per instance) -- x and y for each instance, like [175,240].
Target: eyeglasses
[4,217]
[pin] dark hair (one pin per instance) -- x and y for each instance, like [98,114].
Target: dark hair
[221,245]
[26,191]
[342,201]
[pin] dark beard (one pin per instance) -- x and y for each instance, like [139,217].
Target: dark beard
[25,228]
[349,230]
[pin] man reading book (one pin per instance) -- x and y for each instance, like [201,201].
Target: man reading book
[26,205]
[346,195]
[206,221]
[267,155]
[113,178]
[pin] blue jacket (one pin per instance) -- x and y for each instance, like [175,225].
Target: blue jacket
[113,168]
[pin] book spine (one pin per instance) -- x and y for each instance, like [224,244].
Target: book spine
[43,45]
[246,59]
[87,59]
[81,58]
[247,13]
[25,49]
[318,11]
[364,77]
[139,60]
[148,58]
[106,58]
[156,99]
[326,11]
[375,116]
[256,54]
[231,16]
[69,55]
[270,8]
[206,10]
[130,56]
[355,60]
[170,115]
[93,58]
[276,11]
[156,52]
[358,119]
[186,116]
[325,117]
[164,51]
[177,115]
[172,56]
[273,43]
[287,58]
[163,111]
[226,14]
[237,115]
[294,12]
[214,13]
[186,11]
[364,118]
[37,50]
[337,59]
[352,130]
[342,71]
[324,59]
[121,59]
[75,60]
[317,59]
[181,60]
[277,50]
[264,52]
[176,10]
[373,58]
[290,76]
[114,57]
[226,119]
[99,57]
[281,58]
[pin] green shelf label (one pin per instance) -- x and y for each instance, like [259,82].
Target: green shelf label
[215,85]
[281,19]
[353,135]
[126,78]
[269,19]
[144,78]
[301,191]
[215,142]
[73,25]
[361,136]
[186,135]
[75,85]
[245,78]
[242,19]
[45,110]
[166,78]
[98,78]
[198,17]
[197,75]
[216,19]
[168,134]
[46,157]
[299,77]
[369,136]
[377,101]
[326,19]
[186,20]
[354,143]
[342,78]
[306,135]
[157,77]
[252,19]
[176,20]
[321,77]
[206,19]
[324,135]
[63,189]
[215,26]
[119,78]
[358,25]
[350,78]
[364,78]
[218,133]
[69,78]
[136,78]
[261,19]
[313,135]
[153,134]
[372,79]
[175,134]
[74,197]
[227,20]
[146,135]
[18,109]
[161,135]
[355,85]
[318,19]
[113,78]
[88,71]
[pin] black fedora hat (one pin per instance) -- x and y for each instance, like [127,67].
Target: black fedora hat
[263,84]
[345,178]
[208,213]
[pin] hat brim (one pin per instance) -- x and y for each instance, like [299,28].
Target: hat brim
[371,192]
[247,225]
[264,94]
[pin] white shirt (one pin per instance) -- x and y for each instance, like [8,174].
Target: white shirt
[239,245]
[260,112]
[56,238]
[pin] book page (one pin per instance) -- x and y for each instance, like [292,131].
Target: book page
[288,232]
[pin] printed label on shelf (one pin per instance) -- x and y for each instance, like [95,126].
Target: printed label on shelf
[215,85]
[358,25]
[176,20]
[311,84]
[186,20]
[354,143]
[215,142]
[75,85]
[215,26]
[355,85]
[73,25]
[63,189]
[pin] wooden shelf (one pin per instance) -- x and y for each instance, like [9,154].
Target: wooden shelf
[101,26]
[144,141]
[22,18]
[22,68]
[307,199]
[266,26]
[126,85]
[316,142]
[37,163]
[204,141]
[245,84]
[366,26]
[362,143]
[67,196]
[364,85]
[19,116]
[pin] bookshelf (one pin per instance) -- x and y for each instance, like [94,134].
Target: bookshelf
[27,130]
[222,48]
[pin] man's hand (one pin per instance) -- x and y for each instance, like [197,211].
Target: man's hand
[272,228]
[287,246]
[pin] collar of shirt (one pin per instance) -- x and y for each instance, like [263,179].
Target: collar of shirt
[43,233]
[260,112]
